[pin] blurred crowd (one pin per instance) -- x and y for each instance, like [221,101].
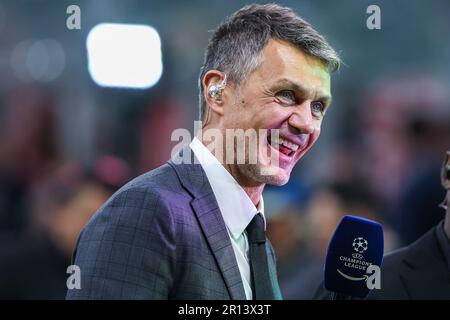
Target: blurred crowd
[45,200]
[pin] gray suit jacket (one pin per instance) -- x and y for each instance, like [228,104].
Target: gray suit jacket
[161,236]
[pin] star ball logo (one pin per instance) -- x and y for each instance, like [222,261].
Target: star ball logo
[372,276]
[360,245]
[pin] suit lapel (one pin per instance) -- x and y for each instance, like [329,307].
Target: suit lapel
[424,266]
[205,206]
[213,226]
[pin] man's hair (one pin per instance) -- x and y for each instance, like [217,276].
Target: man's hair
[236,45]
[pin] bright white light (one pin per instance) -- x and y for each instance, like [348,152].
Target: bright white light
[123,55]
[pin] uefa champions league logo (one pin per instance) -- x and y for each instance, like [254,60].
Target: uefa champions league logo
[360,245]
[372,276]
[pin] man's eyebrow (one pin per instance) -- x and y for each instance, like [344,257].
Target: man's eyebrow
[301,89]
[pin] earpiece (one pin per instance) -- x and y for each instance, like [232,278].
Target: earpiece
[215,91]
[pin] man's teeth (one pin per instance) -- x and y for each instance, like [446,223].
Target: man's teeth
[280,141]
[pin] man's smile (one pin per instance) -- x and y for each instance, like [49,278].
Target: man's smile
[287,146]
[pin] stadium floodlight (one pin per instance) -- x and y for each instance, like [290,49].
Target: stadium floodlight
[124,55]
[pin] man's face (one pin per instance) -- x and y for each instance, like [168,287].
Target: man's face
[289,91]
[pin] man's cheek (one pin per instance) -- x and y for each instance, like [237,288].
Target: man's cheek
[314,136]
[312,139]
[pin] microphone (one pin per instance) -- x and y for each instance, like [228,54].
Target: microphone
[354,256]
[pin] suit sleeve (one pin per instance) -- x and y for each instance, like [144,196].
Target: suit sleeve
[127,250]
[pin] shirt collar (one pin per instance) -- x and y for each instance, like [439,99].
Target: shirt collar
[234,203]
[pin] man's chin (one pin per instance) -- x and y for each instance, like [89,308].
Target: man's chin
[274,176]
[265,174]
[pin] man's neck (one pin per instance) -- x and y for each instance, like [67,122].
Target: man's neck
[253,190]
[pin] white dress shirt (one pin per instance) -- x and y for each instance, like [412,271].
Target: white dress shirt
[236,207]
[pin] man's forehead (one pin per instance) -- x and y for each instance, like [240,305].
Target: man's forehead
[282,60]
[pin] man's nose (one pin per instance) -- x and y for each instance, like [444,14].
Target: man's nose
[301,121]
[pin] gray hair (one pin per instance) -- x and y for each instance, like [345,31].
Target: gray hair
[236,45]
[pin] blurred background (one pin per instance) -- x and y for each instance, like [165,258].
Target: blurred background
[72,131]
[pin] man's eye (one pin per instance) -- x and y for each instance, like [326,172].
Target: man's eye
[287,97]
[317,108]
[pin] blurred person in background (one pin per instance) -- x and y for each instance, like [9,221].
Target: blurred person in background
[156,124]
[28,152]
[422,269]
[33,265]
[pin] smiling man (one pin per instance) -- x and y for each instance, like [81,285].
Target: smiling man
[196,230]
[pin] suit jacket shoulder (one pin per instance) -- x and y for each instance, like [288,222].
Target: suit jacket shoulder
[127,250]
[417,271]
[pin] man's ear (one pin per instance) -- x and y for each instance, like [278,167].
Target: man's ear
[445,173]
[214,79]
